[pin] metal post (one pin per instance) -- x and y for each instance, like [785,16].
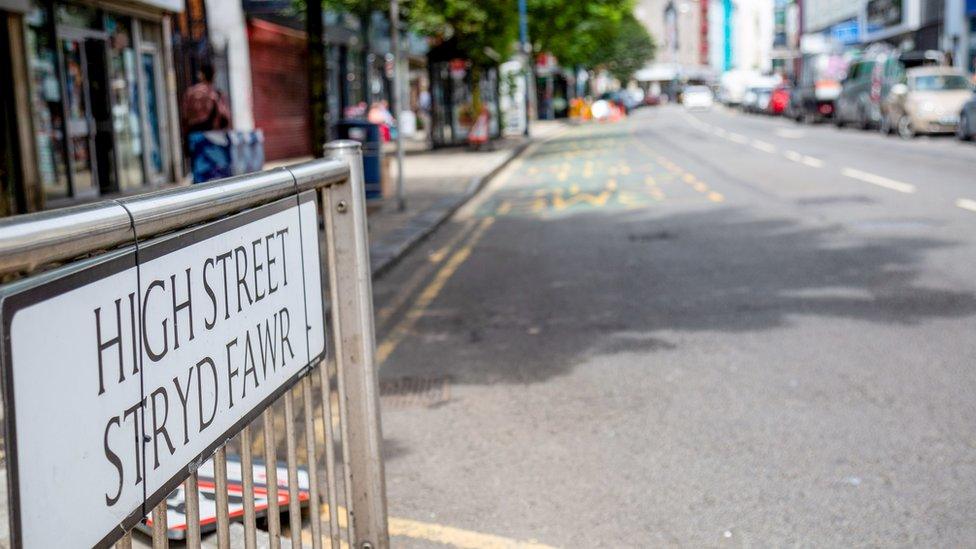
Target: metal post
[191,494]
[247,477]
[313,466]
[291,455]
[397,98]
[271,473]
[352,315]
[223,510]
[125,542]
[159,538]
[330,476]
[527,55]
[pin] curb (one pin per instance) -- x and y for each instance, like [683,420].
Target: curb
[388,252]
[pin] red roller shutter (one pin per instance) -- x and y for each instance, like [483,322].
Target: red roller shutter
[279,77]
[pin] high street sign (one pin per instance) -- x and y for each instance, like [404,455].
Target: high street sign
[124,372]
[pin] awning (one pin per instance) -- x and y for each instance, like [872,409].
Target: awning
[656,73]
[18,6]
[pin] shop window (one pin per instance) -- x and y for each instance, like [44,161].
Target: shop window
[150,59]
[46,104]
[78,16]
[124,97]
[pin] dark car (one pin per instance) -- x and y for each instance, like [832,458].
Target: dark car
[966,130]
[817,87]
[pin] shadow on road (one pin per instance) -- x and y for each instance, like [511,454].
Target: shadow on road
[539,296]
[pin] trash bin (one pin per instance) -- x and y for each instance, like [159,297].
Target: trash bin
[370,136]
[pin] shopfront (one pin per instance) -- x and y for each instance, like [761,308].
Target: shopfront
[101,98]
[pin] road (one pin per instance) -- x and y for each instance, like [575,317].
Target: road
[692,329]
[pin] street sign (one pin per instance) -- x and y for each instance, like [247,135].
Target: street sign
[124,372]
[176,519]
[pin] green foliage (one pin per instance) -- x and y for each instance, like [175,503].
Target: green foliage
[482,31]
[626,51]
[591,34]
[572,29]
[357,7]
[586,33]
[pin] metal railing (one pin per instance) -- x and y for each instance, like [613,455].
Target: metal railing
[342,453]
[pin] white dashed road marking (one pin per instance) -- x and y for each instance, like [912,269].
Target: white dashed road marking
[813,162]
[880,181]
[966,204]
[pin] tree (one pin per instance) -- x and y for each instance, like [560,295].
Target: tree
[317,94]
[572,29]
[628,49]
[480,31]
[483,32]
[593,34]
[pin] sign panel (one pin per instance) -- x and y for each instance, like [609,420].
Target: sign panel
[122,371]
[176,520]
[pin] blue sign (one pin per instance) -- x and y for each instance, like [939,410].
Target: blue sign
[970,7]
[849,32]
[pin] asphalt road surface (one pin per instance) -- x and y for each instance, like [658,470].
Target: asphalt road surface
[691,329]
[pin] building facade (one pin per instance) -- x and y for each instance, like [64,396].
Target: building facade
[94,104]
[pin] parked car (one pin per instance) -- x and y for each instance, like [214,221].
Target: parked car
[870,79]
[859,101]
[697,97]
[966,129]
[928,101]
[779,100]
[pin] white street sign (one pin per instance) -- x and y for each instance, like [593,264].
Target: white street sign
[119,379]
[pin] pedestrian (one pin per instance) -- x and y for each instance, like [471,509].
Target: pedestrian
[205,112]
[379,113]
[204,107]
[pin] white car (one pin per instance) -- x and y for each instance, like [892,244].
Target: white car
[697,97]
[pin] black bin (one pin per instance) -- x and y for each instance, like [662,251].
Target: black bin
[369,135]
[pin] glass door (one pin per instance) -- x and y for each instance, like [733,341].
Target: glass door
[87,109]
[155,128]
[80,122]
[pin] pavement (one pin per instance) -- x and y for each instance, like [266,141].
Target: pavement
[693,329]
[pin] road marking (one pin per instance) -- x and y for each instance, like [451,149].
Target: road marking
[715,196]
[794,156]
[429,293]
[721,132]
[789,133]
[763,146]
[813,162]
[456,537]
[738,138]
[429,532]
[408,288]
[878,180]
[966,204]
